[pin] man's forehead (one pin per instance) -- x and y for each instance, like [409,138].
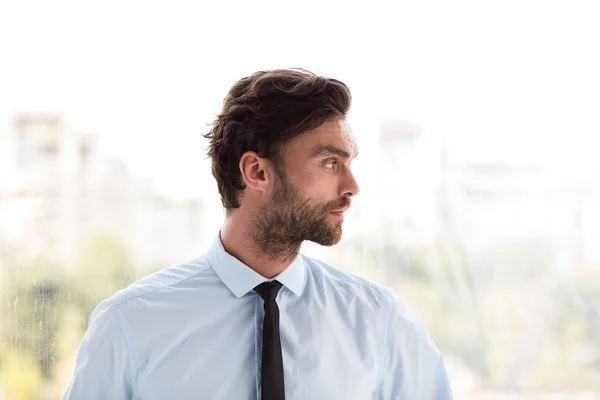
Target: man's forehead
[336,133]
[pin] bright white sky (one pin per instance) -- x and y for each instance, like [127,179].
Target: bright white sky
[502,80]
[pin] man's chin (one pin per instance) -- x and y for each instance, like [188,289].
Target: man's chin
[329,241]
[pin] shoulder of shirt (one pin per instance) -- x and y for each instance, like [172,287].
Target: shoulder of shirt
[164,278]
[348,279]
[384,295]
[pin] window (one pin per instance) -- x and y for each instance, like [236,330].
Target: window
[479,152]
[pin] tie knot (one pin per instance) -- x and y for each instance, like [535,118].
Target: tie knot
[268,290]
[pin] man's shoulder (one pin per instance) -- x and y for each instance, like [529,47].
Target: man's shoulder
[164,278]
[357,287]
[327,274]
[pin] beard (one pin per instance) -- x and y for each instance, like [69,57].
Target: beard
[282,224]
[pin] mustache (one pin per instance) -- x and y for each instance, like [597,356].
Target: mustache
[345,203]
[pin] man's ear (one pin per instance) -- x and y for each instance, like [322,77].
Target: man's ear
[255,170]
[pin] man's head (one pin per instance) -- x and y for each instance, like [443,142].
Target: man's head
[281,151]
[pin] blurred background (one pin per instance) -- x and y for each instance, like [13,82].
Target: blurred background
[477,123]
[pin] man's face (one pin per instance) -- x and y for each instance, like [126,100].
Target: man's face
[314,180]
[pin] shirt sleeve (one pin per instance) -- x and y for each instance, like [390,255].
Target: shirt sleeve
[412,365]
[102,369]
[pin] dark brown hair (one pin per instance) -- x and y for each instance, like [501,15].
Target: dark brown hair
[264,111]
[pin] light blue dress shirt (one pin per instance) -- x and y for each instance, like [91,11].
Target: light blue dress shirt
[194,331]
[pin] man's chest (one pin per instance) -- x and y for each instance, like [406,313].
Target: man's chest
[322,359]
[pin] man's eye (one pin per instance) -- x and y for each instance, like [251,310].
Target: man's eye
[332,163]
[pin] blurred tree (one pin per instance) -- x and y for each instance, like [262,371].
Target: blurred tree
[31,295]
[43,313]
[569,357]
[20,376]
[404,263]
[105,268]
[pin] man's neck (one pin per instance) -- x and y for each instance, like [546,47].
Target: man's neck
[238,241]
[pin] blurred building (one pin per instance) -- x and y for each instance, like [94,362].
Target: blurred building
[501,203]
[410,170]
[426,194]
[56,189]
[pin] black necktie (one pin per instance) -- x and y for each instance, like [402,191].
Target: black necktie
[272,361]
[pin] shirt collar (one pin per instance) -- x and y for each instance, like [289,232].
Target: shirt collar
[241,279]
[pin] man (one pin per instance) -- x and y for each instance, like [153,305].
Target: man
[253,318]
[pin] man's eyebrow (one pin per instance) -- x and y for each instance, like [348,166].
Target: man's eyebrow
[329,149]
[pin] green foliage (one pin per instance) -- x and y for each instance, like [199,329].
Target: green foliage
[20,375]
[44,311]
[30,319]
[105,268]
[572,339]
